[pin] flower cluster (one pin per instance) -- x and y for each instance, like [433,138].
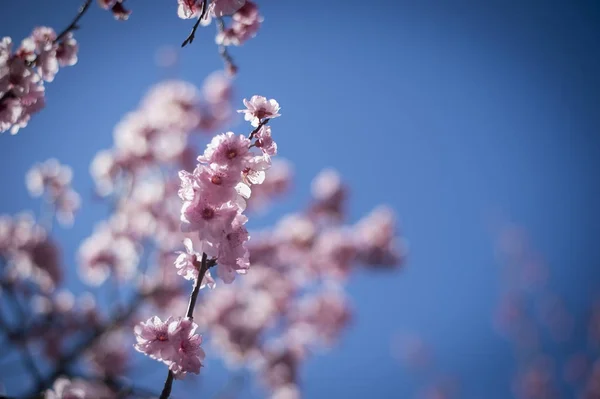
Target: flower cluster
[245,24]
[214,194]
[24,71]
[53,180]
[172,342]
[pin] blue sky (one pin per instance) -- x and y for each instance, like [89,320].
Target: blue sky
[446,111]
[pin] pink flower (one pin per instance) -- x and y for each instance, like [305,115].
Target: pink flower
[189,355]
[188,265]
[222,8]
[227,150]
[233,254]
[187,9]
[116,7]
[248,14]
[259,108]
[66,53]
[210,219]
[265,142]
[156,339]
[173,342]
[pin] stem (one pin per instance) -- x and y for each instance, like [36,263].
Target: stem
[73,26]
[261,124]
[192,34]
[204,265]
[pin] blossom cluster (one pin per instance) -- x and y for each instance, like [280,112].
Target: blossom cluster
[214,197]
[24,71]
[214,194]
[172,342]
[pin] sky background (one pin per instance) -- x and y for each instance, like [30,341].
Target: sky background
[450,112]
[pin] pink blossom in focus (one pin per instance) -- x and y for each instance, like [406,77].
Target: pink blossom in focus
[265,141]
[173,342]
[188,264]
[259,108]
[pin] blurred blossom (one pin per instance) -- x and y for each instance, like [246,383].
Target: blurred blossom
[104,253]
[54,181]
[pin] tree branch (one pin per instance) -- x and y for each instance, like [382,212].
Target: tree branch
[73,26]
[192,34]
[204,266]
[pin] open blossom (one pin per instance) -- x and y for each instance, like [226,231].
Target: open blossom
[187,9]
[227,150]
[206,217]
[173,342]
[259,108]
[188,265]
[265,142]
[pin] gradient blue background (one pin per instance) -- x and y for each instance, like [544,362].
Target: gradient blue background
[446,111]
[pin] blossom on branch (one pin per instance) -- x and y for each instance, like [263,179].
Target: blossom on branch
[258,108]
[172,342]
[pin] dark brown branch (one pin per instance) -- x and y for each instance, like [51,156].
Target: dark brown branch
[261,124]
[192,34]
[73,26]
[204,266]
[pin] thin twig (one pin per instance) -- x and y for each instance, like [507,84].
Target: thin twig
[73,26]
[204,265]
[261,124]
[192,34]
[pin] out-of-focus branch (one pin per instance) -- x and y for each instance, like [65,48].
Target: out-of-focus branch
[204,266]
[63,364]
[192,34]
[227,58]
[26,354]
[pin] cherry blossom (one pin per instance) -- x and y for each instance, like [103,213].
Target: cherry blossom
[259,108]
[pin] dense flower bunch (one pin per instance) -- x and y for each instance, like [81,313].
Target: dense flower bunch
[214,197]
[24,71]
[173,342]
